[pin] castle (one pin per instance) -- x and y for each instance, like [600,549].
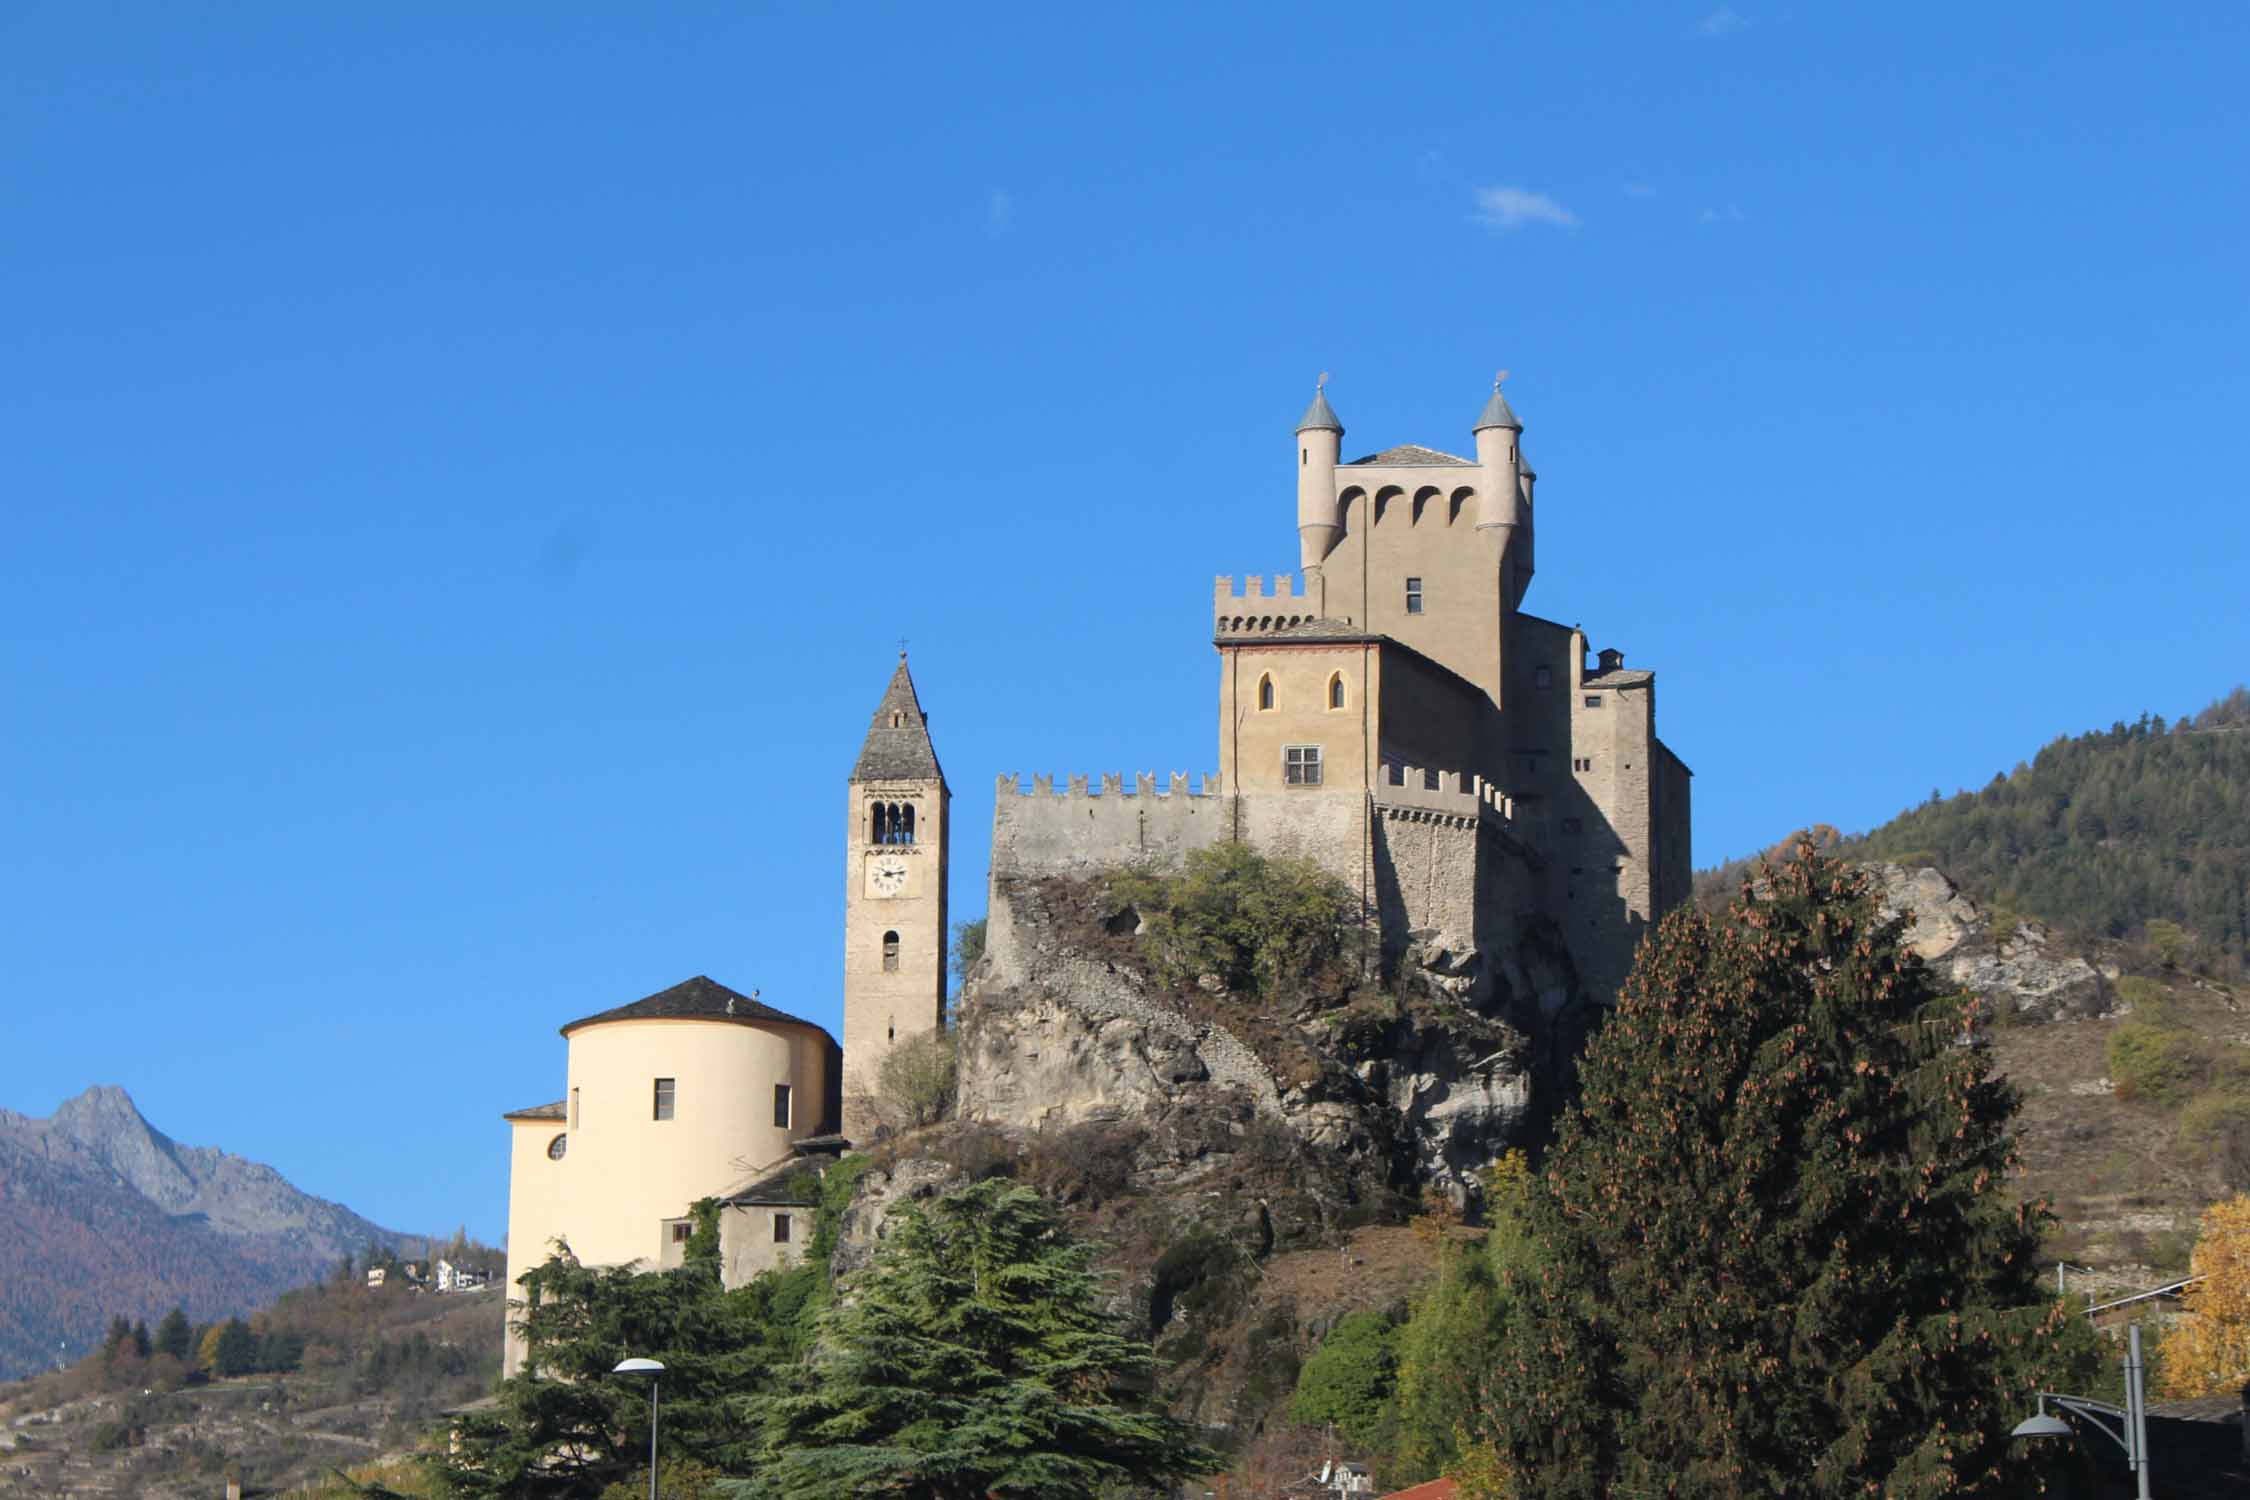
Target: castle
[1390,711]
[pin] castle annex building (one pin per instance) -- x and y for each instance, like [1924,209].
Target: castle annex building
[1389,709]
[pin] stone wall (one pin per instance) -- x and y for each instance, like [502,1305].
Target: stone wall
[1082,829]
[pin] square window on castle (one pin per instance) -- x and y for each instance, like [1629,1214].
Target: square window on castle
[1413,596]
[666,1089]
[781,1228]
[781,1106]
[1593,700]
[1300,765]
[682,1232]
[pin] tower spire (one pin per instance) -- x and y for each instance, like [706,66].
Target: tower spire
[898,745]
[1320,416]
[1496,412]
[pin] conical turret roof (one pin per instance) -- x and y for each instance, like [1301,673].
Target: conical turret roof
[1320,414]
[898,744]
[1496,413]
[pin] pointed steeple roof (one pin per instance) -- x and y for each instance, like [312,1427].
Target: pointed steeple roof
[1496,412]
[1320,414]
[898,744]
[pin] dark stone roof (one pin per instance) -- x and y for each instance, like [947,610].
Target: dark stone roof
[559,1110]
[1413,456]
[1323,632]
[1496,413]
[898,744]
[783,1186]
[697,999]
[1320,415]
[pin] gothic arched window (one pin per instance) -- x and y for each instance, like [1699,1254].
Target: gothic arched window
[903,826]
[1265,692]
[890,952]
[1336,691]
[879,824]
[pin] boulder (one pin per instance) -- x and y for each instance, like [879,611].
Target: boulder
[2021,969]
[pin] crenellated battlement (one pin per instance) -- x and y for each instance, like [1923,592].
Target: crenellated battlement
[1145,784]
[1257,608]
[1461,794]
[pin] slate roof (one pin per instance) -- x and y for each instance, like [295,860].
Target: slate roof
[1411,456]
[782,1185]
[1320,415]
[697,999]
[559,1110]
[900,751]
[1496,413]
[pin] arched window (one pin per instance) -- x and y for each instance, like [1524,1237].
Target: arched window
[1265,692]
[1336,690]
[879,824]
[890,953]
[905,824]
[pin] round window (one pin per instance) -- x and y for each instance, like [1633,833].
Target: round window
[557,1146]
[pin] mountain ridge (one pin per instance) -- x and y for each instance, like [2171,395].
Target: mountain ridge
[108,1216]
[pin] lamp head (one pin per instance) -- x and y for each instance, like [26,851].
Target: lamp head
[638,1367]
[2042,1426]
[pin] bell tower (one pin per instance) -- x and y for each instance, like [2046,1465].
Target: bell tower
[895,847]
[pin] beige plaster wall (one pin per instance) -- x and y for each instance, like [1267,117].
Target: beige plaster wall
[627,1172]
[534,1216]
[1251,739]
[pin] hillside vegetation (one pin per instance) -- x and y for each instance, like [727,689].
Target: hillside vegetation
[2139,831]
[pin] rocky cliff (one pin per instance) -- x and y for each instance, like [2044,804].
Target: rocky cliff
[2018,965]
[107,1216]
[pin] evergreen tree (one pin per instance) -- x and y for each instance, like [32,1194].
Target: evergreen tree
[237,1349]
[120,1334]
[143,1345]
[1776,1250]
[974,1360]
[175,1337]
[567,1427]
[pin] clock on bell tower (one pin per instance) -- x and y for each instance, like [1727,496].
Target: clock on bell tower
[894,897]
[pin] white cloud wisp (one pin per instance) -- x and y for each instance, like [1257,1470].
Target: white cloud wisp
[1506,208]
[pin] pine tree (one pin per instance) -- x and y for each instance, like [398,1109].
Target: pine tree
[143,1345]
[237,1349]
[175,1337]
[1777,1251]
[974,1359]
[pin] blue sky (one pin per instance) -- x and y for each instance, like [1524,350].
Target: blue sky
[465,469]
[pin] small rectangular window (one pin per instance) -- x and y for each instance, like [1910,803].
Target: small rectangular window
[1543,678]
[1300,765]
[1582,763]
[781,1228]
[664,1096]
[574,1109]
[781,1105]
[1413,596]
[1593,700]
[682,1232]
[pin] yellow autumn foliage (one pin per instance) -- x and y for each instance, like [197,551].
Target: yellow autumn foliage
[2208,1351]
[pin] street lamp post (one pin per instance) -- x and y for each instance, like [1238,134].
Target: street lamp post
[2131,1433]
[655,1373]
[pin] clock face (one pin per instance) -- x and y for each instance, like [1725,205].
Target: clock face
[886,877]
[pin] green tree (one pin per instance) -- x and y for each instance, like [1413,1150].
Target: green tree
[237,1350]
[1350,1381]
[1254,922]
[143,1344]
[1777,1254]
[566,1427]
[175,1337]
[975,1359]
[968,947]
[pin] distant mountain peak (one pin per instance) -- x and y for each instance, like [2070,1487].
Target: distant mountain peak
[111,1129]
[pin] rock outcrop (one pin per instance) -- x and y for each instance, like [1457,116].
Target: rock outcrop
[2016,966]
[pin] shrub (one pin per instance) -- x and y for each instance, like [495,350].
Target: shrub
[1256,923]
[2152,1064]
[968,947]
[1088,1163]
[913,1084]
[2152,1003]
[1349,1381]
[2216,1128]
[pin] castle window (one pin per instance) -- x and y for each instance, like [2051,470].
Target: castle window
[781,1106]
[1265,692]
[781,1227]
[1582,763]
[879,823]
[1593,700]
[1543,678]
[890,953]
[902,825]
[1336,691]
[665,1092]
[574,1109]
[1300,765]
[682,1232]
[558,1148]
[1413,596]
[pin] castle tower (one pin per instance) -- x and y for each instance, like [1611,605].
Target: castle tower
[1320,438]
[1504,490]
[895,844]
